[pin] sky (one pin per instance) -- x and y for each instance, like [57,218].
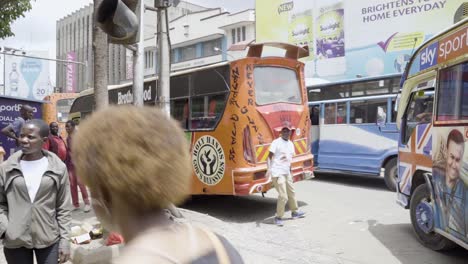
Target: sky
[36,31]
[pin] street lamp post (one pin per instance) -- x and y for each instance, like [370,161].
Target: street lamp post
[223,52]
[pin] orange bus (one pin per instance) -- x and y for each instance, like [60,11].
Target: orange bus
[231,112]
[56,109]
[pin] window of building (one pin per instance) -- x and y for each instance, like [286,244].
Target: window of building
[173,56]
[452,101]
[188,53]
[209,47]
[243,34]
[238,35]
[233,35]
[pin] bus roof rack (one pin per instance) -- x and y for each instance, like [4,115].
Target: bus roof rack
[292,51]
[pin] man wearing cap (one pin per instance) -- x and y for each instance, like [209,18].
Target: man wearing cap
[279,166]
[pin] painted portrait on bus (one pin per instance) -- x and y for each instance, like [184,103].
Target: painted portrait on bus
[450,176]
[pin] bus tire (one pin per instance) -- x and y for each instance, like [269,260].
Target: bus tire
[391,174]
[431,239]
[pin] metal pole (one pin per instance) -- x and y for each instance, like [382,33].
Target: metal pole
[163,63]
[86,75]
[4,73]
[138,62]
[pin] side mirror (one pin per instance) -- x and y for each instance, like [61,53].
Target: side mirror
[381,117]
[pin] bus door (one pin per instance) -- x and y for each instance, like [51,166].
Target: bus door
[315,131]
[415,148]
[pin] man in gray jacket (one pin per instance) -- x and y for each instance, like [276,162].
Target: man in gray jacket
[34,201]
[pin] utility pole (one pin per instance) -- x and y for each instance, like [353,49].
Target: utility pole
[100,52]
[138,58]
[164,63]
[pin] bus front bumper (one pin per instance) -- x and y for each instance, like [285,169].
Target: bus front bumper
[254,179]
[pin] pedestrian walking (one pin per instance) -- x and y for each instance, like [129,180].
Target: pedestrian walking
[74,181]
[34,201]
[279,167]
[13,130]
[132,184]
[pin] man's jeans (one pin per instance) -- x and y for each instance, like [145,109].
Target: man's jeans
[48,255]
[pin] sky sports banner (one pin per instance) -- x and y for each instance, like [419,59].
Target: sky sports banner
[27,77]
[353,38]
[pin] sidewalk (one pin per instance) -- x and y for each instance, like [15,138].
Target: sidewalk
[257,243]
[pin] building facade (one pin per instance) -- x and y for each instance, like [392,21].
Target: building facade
[198,35]
[74,42]
[210,36]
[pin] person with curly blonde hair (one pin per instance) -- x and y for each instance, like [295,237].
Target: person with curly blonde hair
[136,162]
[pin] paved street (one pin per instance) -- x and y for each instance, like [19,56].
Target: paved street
[350,220]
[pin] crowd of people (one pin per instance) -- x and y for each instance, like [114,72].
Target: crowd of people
[130,189]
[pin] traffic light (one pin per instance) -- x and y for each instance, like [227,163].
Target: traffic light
[119,19]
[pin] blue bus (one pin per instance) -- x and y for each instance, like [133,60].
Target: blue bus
[345,136]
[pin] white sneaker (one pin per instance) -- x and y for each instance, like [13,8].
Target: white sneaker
[87,208]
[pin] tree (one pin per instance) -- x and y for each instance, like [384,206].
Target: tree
[10,10]
[100,49]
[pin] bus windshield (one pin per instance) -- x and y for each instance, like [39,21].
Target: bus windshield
[275,84]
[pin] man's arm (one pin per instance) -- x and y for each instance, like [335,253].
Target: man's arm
[3,205]
[9,132]
[63,209]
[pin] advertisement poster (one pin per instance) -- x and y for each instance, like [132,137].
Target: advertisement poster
[354,38]
[71,73]
[9,111]
[27,77]
[450,175]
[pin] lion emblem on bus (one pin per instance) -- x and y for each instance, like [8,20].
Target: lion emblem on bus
[208,160]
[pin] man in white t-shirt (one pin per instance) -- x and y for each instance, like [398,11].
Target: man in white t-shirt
[279,166]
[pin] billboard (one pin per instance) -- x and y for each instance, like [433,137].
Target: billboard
[70,86]
[354,38]
[9,111]
[27,77]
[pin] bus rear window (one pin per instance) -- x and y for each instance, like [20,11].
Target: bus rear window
[63,108]
[452,102]
[275,85]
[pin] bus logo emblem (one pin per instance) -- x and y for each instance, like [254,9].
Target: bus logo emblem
[208,160]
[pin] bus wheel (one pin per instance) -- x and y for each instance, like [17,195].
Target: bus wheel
[391,174]
[422,219]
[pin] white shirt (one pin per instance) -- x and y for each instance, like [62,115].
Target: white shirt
[283,152]
[32,173]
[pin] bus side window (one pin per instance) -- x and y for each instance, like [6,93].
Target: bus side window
[453,93]
[330,113]
[365,112]
[179,111]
